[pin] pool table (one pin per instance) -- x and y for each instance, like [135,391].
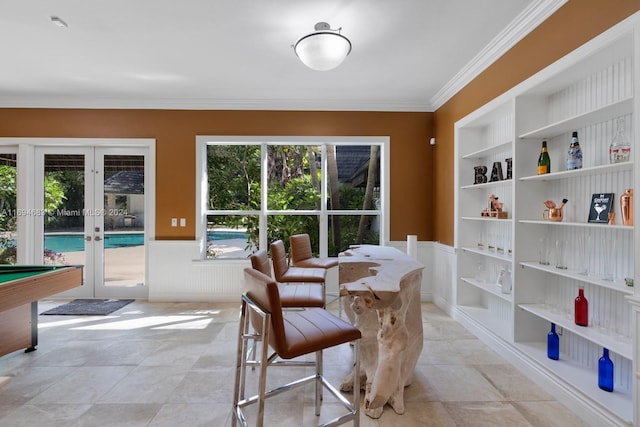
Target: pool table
[21,286]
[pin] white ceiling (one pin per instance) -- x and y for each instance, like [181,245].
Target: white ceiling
[408,55]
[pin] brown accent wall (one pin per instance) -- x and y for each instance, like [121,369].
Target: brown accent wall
[175,133]
[575,23]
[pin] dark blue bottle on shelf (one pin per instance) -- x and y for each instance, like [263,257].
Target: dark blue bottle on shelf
[605,372]
[553,343]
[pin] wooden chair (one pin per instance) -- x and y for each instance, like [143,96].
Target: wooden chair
[289,336]
[301,255]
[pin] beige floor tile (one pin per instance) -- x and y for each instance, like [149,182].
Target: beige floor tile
[485,414]
[549,414]
[512,384]
[170,364]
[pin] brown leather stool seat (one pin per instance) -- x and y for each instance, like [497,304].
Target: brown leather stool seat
[291,295]
[285,274]
[289,336]
[302,255]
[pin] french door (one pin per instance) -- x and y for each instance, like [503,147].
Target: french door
[90,205]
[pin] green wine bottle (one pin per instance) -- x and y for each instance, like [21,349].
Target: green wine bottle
[544,162]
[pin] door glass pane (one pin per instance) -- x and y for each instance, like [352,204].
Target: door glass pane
[123,220]
[64,209]
[294,177]
[8,191]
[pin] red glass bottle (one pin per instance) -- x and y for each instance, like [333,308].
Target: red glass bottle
[582,309]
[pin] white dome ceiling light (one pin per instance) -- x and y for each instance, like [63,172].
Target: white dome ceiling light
[323,49]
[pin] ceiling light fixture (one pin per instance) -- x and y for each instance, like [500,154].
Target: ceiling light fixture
[323,49]
[59,22]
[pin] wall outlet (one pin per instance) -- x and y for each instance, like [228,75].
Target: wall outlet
[174,222]
[183,222]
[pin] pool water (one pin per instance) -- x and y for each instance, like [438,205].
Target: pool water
[75,242]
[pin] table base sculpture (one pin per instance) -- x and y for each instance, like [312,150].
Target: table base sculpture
[381,290]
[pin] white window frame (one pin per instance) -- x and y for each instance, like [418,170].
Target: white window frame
[202,141]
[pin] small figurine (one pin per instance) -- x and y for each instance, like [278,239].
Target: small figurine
[494,208]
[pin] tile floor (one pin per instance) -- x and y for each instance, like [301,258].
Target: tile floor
[171,364]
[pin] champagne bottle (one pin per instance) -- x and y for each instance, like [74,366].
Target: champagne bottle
[581,309]
[605,371]
[553,343]
[574,157]
[544,162]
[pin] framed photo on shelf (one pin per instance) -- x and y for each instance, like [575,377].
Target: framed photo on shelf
[601,205]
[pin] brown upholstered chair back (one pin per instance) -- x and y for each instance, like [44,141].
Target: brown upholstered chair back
[263,291]
[300,248]
[260,261]
[279,258]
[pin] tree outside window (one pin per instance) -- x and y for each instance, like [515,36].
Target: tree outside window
[291,189]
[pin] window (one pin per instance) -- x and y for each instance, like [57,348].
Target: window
[257,190]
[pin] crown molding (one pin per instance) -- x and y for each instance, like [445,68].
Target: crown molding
[90,102]
[536,13]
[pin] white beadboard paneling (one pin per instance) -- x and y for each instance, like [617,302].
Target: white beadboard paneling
[177,274]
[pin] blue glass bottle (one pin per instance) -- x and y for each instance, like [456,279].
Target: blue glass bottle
[605,372]
[553,343]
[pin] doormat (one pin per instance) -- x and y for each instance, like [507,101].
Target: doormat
[88,307]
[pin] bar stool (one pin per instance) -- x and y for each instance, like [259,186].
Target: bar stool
[299,295]
[290,274]
[290,336]
[301,255]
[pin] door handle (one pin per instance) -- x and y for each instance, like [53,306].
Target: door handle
[97,238]
[87,238]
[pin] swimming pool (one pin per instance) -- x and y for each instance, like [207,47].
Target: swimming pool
[73,242]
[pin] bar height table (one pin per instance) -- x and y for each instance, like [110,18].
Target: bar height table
[381,286]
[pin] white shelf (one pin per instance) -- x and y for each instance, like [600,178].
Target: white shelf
[585,92]
[487,320]
[594,170]
[579,121]
[488,253]
[582,379]
[485,152]
[486,184]
[491,288]
[616,285]
[604,338]
[486,218]
[577,224]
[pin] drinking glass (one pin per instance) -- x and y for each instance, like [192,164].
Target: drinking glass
[584,254]
[561,255]
[543,250]
[609,268]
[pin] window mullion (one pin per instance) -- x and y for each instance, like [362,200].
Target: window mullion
[323,217]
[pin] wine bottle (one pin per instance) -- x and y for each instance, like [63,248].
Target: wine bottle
[581,309]
[619,150]
[544,162]
[553,343]
[605,371]
[574,157]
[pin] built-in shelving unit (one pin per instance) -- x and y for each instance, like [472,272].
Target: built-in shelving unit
[586,92]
